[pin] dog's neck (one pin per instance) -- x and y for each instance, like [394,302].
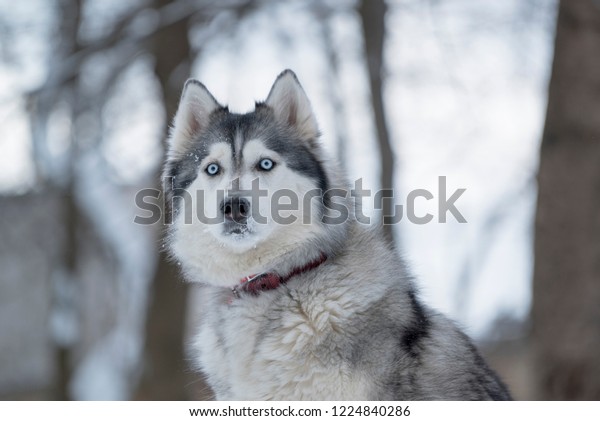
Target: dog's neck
[255,284]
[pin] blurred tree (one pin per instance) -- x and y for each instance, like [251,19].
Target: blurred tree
[324,13]
[372,14]
[61,87]
[566,303]
[164,368]
[71,10]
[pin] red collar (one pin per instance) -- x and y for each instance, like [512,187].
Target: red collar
[255,284]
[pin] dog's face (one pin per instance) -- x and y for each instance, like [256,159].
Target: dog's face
[245,188]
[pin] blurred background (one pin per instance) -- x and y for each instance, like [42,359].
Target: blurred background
[502,98]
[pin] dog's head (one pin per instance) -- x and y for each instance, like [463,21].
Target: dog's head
[247,191]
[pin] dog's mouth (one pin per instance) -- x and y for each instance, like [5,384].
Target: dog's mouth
[236,229]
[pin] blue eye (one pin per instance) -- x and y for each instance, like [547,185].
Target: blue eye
[213,169]
[266,164]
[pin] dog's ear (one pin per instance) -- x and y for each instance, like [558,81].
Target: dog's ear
[195,106]
[291,105]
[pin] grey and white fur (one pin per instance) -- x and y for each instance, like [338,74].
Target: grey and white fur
[351,328]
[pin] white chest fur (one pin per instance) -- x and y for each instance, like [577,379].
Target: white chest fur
[278,346]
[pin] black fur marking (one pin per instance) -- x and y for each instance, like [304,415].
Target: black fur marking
[417,330]
[490,384]
[185,171]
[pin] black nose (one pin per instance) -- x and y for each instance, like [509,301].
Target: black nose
[236,209]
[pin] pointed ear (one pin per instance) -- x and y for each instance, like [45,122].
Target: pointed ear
[291,105]
[195,106]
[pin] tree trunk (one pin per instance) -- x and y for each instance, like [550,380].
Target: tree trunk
[372,14]
[165,375]
[566,306]
[70,10]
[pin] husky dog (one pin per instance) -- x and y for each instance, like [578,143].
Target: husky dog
[317,306]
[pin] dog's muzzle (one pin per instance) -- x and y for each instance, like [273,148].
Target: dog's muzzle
[235,211]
